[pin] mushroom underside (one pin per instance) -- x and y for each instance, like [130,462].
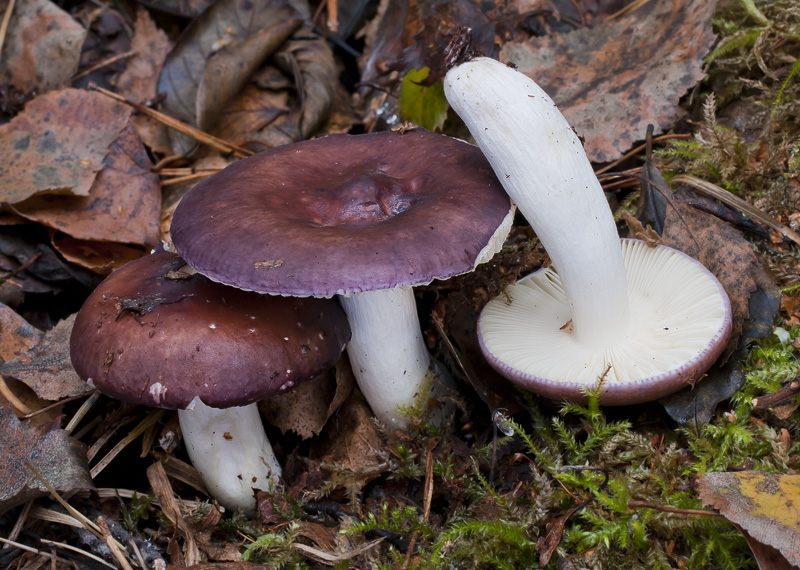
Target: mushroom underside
[680,319]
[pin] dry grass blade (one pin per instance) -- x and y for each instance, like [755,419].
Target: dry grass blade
[106,62]
[145,424]
[113,544]
[188,130]
[4,23]
[726,197]
[79,551]
[85,407]
[169,505]
[18,545]
[330,559]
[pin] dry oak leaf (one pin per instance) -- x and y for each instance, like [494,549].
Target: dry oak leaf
[60,459]
[722,250]
[42,49]
[766,505]
[58,143]
[101,257]
[47,367]
[123,204]
[613,80]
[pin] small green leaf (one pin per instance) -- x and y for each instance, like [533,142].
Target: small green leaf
[425,106]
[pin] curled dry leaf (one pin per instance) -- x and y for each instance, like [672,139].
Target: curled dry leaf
[306,409]
[42,47]
[766,505]
[123,204]
[215,57]
[60,459]
[58,143]
[101,257]
[47,368]
[310,60]
[612,80]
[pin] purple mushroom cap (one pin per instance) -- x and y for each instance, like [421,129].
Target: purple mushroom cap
[153,335]
[343,214]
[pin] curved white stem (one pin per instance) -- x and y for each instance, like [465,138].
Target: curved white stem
[390,360]
[542,165]
[230,451]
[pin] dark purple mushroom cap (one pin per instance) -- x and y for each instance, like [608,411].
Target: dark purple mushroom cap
[152,335]
[343,214]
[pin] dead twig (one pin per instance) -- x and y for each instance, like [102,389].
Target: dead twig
[785,393]
[181,127]
[663,508]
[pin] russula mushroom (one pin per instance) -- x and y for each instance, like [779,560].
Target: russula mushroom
[646,321]
[365,217]
[154,335]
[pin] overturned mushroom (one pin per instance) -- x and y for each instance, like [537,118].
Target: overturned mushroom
[645,321]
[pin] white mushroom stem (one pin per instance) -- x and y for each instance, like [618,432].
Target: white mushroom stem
[542,165]
[387,352]
[230,451]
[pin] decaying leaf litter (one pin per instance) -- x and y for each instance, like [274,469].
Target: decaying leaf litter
[515,481]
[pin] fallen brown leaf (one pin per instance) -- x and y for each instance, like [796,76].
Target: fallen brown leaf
[47,368]
[60,459]
[612,80]
[58,143]
[42,48]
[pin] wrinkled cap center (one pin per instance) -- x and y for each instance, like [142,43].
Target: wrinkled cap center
[364,198]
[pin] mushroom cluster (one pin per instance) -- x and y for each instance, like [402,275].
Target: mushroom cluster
[643,321]
[364,217]
[156,335]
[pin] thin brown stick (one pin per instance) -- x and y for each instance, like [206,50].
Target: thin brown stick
[666,509]
[18,404]
[726,197]
[105,63]
[81,413]
[50,407]
[639,149]
[187,178]
[4,23]
[767,401]
[11,274]
[181,127]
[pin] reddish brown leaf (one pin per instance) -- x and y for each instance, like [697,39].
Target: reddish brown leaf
[768,558]
[42,48]
[766,505]
[58,143]
[122,206]
[223,566]
[612,80]
[60,459]
[16,334]
[47,367]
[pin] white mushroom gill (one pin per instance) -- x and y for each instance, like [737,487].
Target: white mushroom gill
[670,328]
